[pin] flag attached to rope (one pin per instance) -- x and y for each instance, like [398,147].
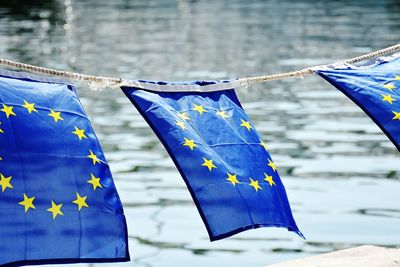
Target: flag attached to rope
[58,203]
[223,161]
[374,88]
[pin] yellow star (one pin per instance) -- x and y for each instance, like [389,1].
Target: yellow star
[208,163]
[55,209]
[183,116]
[29,106]
[222,114]
[246,124]
[396,115]
[95,182]
[5,182]
[397,77]
[263,145]
[254,183]
[8,110]
[1,130]
[27,203]
[93,157]
[272,165]
[232,178]
[199,109]
[190,143]
[80,201]
[56,115]
[181,124]
[389,86]
[269,179]
[80,133]
[388,98]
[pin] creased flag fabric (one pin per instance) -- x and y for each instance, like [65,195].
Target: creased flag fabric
[375,88]
[58,203]
[223,161]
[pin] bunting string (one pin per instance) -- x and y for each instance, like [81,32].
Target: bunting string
[100,82]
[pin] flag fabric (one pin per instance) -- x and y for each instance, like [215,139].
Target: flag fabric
[223,161]
[58,202]
[375,88]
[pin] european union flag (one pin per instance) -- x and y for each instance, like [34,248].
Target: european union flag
[58,202]
[374,88]
[225,164]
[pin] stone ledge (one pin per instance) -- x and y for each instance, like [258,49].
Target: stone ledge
[363,256]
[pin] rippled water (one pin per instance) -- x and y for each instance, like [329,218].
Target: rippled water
[340,171]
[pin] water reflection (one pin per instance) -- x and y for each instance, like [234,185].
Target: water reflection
[37,29]
[33,10]
[341,173]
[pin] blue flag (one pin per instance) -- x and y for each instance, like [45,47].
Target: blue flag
[58,203]
[223,161]
[375,89]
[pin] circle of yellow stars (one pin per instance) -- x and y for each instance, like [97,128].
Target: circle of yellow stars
[388,97]
[28,201]
[181,121]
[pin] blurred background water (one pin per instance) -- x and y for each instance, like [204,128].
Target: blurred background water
[341,173]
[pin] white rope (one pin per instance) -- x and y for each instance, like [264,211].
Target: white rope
[102,82]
